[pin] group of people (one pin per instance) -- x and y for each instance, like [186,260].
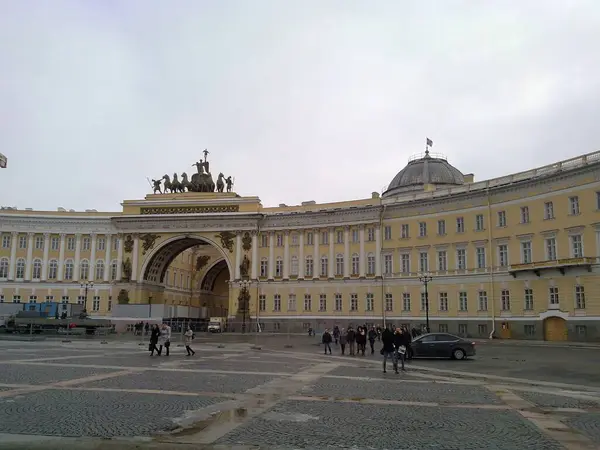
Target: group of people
[396,343]
[161,337]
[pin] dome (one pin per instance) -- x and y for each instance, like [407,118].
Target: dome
[422,170]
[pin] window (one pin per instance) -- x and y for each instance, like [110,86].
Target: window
[387,264]
[579,297]
[443,328]
[355,264]
[292,302]
[116,243]
[4,268]
[52,269]
[6,241]
[339,264]
[54,243]
[482,300]
[39,242]
[479,223]
[99,269]
[109,306]
[37,269]
[480,252]
[277,302]
[460,224]
[482,329]
[279,240]
[33,299]
[294,266]
[309,266]
[553,293]
[16,299]
[96,303]
[576,246]
[323,302]
[424,301]
[371,234]
[405,261]
[294,238]
[526,252]
[505,299]
[387,233]
[71,244]
[101,244]
[307,302]
[406,301]
[324,264]
[370,264]
[264,240]
[441,227]
[389,302]
[262,302]
[68,269]
[461,259]
[574,205]
[86,244]
[501,218]
[422,229]
[525,214]
[528,299]
[279,267]
[529,330]
[324,237]
[548,211]
[338,302]
[550,249]
[353,302]
[22,242]
[370,302]
[463,301]
[443,297]
[355,235]
[423,262]
[404,234]
[20,273]
[310,238]
[462,329]
[113,270]
[581,330]
[442,260]
[503,255]
[340,237]
[84,270]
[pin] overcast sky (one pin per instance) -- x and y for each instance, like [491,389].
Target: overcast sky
[305,100]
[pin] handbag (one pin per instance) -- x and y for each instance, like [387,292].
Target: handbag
[167,344]
[402,349]
[381,351]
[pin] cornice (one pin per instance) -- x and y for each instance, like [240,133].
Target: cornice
[202,223]
[56,224]
[321,219]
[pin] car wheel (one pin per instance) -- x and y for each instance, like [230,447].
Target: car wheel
[458,354]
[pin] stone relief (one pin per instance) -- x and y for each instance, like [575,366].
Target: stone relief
[247,242]
[128,244]
[201,262]
[123,297]
[126,275]
[226,238]
[244,267]
[148,241]
[190,209]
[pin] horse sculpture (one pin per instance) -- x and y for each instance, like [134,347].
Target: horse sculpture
[220,183]
[175,184]
[202,182]
[185,183]
[167,185]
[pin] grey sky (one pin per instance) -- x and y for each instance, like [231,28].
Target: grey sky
[303,100]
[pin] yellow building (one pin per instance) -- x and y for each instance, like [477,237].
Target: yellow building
[517,256]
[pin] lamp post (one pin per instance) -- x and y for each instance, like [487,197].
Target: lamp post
[426,279]
[244,300]
[86,286]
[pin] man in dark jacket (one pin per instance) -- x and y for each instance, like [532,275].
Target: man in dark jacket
[387,338]
[326,339]
[351,339]
[372,337]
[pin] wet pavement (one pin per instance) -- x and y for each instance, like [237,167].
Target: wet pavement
[87,395]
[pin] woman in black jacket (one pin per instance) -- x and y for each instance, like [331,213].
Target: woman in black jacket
[154,339]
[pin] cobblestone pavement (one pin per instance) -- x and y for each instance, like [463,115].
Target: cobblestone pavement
[88,395]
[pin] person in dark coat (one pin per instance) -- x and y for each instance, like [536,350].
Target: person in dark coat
[326,339]
[343,341]
[351,340]
[372,337]
[388,350]
[401,343]
[361,340]
[154,339]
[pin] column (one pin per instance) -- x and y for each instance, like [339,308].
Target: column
[362,256]
[286,255]
[301,263]
[271,255]
[14,236]
[61,258]
[316,258]
[347,252]
[331,264]
[107,261]
[29,256]
[134,262]
[46,254]
[377,251]
[238,255]
[254,273]
[77,257]
[92,274]
[120,257]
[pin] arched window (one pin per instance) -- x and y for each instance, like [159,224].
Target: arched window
[264,267]
[99,269]
[339,264]
[279,267]
[113,269]
[371,264]
[324,263]
[37,269]
[20,269]
[294,266]
[4,268]
[355,264]
[309,267]
[68,269]
[84,270]
[52,269]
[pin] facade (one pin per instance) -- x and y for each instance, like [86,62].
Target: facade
[516,256]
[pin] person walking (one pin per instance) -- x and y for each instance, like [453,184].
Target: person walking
[372,337]
[154,335]
[388,350]
[164,339]
[326,339]
[189,336]
[343,341]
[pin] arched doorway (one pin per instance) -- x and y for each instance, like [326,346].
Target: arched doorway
[555,329]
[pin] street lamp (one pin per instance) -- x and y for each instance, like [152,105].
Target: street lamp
[86,286]
[426,279]
[244,300]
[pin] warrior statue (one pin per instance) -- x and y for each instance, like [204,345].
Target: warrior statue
[157,184]
[229,182]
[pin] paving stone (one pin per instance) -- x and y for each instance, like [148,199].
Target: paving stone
[544,400]
[587,424]
[108,414]
[38,374]
[183,382]
[250,365]
[329,425]
[414,392]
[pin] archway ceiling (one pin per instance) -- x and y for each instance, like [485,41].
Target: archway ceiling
[157,268]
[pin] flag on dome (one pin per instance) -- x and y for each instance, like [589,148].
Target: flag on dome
[429,143]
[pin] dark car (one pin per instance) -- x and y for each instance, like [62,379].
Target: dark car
[442,345]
